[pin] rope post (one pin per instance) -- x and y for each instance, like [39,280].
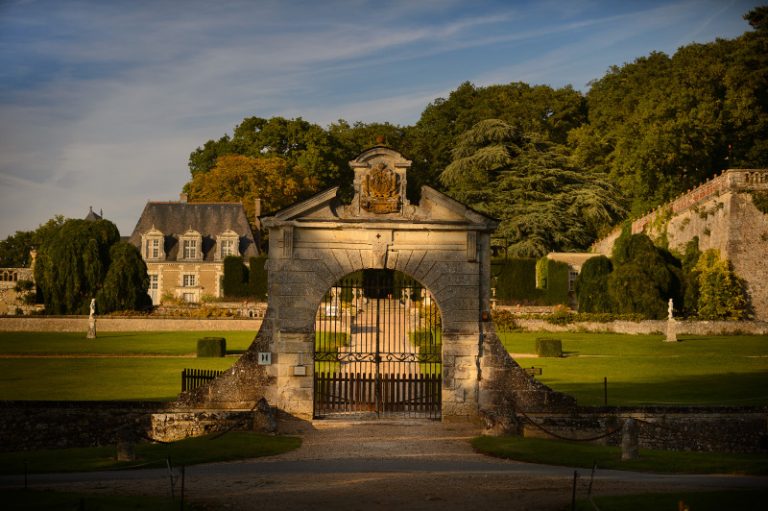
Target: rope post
[573,493]
[605,391]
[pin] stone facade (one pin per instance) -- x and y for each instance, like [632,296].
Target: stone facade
[722,215]
[184,245]
[442,244]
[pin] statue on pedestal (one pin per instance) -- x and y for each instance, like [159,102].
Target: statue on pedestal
[92,320]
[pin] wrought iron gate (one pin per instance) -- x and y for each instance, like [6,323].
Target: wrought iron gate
[377,348]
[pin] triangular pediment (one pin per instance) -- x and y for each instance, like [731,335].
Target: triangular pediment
[380,177]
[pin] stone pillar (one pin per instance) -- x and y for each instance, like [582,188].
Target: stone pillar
[629,440]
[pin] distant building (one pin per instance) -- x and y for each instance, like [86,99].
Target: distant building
[184,245]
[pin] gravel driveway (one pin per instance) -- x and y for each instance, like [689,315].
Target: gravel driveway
[385,465]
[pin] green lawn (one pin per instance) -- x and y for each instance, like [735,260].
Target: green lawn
[584,455]
[116,343]
[742,500]
[36,500]
[645,370]
[134,365]
[234,445]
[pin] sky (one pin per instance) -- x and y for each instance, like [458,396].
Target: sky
[101,102]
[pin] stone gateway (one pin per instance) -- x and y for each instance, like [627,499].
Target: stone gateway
[440,244]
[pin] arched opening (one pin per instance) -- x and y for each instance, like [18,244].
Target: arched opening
[378,343]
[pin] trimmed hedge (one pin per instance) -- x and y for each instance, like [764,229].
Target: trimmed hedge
[552,281]
[549,347]
[516,280]
[211,347]
[235,277]
[257,277]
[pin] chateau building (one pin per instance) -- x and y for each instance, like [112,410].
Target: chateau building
[184,245]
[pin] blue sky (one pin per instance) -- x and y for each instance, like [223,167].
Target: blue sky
[101,102]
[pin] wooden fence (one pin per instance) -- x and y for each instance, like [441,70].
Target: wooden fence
[194,378]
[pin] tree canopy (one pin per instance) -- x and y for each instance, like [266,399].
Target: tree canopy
[544,203]
[75,264]
[644,132]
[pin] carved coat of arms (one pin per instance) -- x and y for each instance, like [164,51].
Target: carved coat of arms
[380,190]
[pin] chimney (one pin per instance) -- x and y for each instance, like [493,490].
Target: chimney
[182,197]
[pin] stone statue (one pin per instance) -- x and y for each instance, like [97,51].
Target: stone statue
[671,326]
[92,320]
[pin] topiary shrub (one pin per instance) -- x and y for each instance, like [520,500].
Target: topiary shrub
[549,347]
[211,347]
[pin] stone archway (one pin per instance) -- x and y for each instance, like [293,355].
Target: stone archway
[439,242]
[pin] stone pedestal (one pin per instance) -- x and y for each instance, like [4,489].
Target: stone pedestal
[671,331]
[629,442]
[91,328]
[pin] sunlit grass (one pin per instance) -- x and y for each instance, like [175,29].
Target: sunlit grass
[645,370]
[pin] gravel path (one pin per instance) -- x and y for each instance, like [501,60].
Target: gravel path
[387,465]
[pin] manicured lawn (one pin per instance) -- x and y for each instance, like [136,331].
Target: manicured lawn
[116,343]
[584,455]
[644,370]
[118,366]
[234,445]
[94,379]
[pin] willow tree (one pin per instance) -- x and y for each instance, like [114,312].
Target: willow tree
[543,202]
[72,263]
[125,283]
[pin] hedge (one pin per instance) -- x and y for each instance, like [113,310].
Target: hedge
[211,347]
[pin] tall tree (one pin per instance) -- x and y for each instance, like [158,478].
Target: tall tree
[534,110]
[544,203]
[73,263]
[126,282]
[15,250]
[245,178]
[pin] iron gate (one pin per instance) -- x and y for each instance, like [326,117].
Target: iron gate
[377,348]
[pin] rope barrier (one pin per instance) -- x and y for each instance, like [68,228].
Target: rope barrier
[561,437]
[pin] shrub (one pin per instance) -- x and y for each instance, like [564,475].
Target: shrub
[504,320]
[722,294]
[592,285]
[645,279]
[549,347]
[211,347]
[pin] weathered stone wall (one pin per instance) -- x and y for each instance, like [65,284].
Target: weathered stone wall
[27,425]
[721,214]
[111,324]
[719,429]
[650,327]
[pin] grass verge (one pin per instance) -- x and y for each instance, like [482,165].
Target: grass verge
[234,445]
[584,455]
[743,500]
[28,500]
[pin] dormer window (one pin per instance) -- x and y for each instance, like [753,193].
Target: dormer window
[227,244]
[191,248]
[153,246]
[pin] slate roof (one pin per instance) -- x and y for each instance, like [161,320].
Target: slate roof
[210,219]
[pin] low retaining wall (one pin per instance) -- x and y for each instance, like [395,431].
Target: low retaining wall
[719,429]
[27,425]
[650,327]
[109,324]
